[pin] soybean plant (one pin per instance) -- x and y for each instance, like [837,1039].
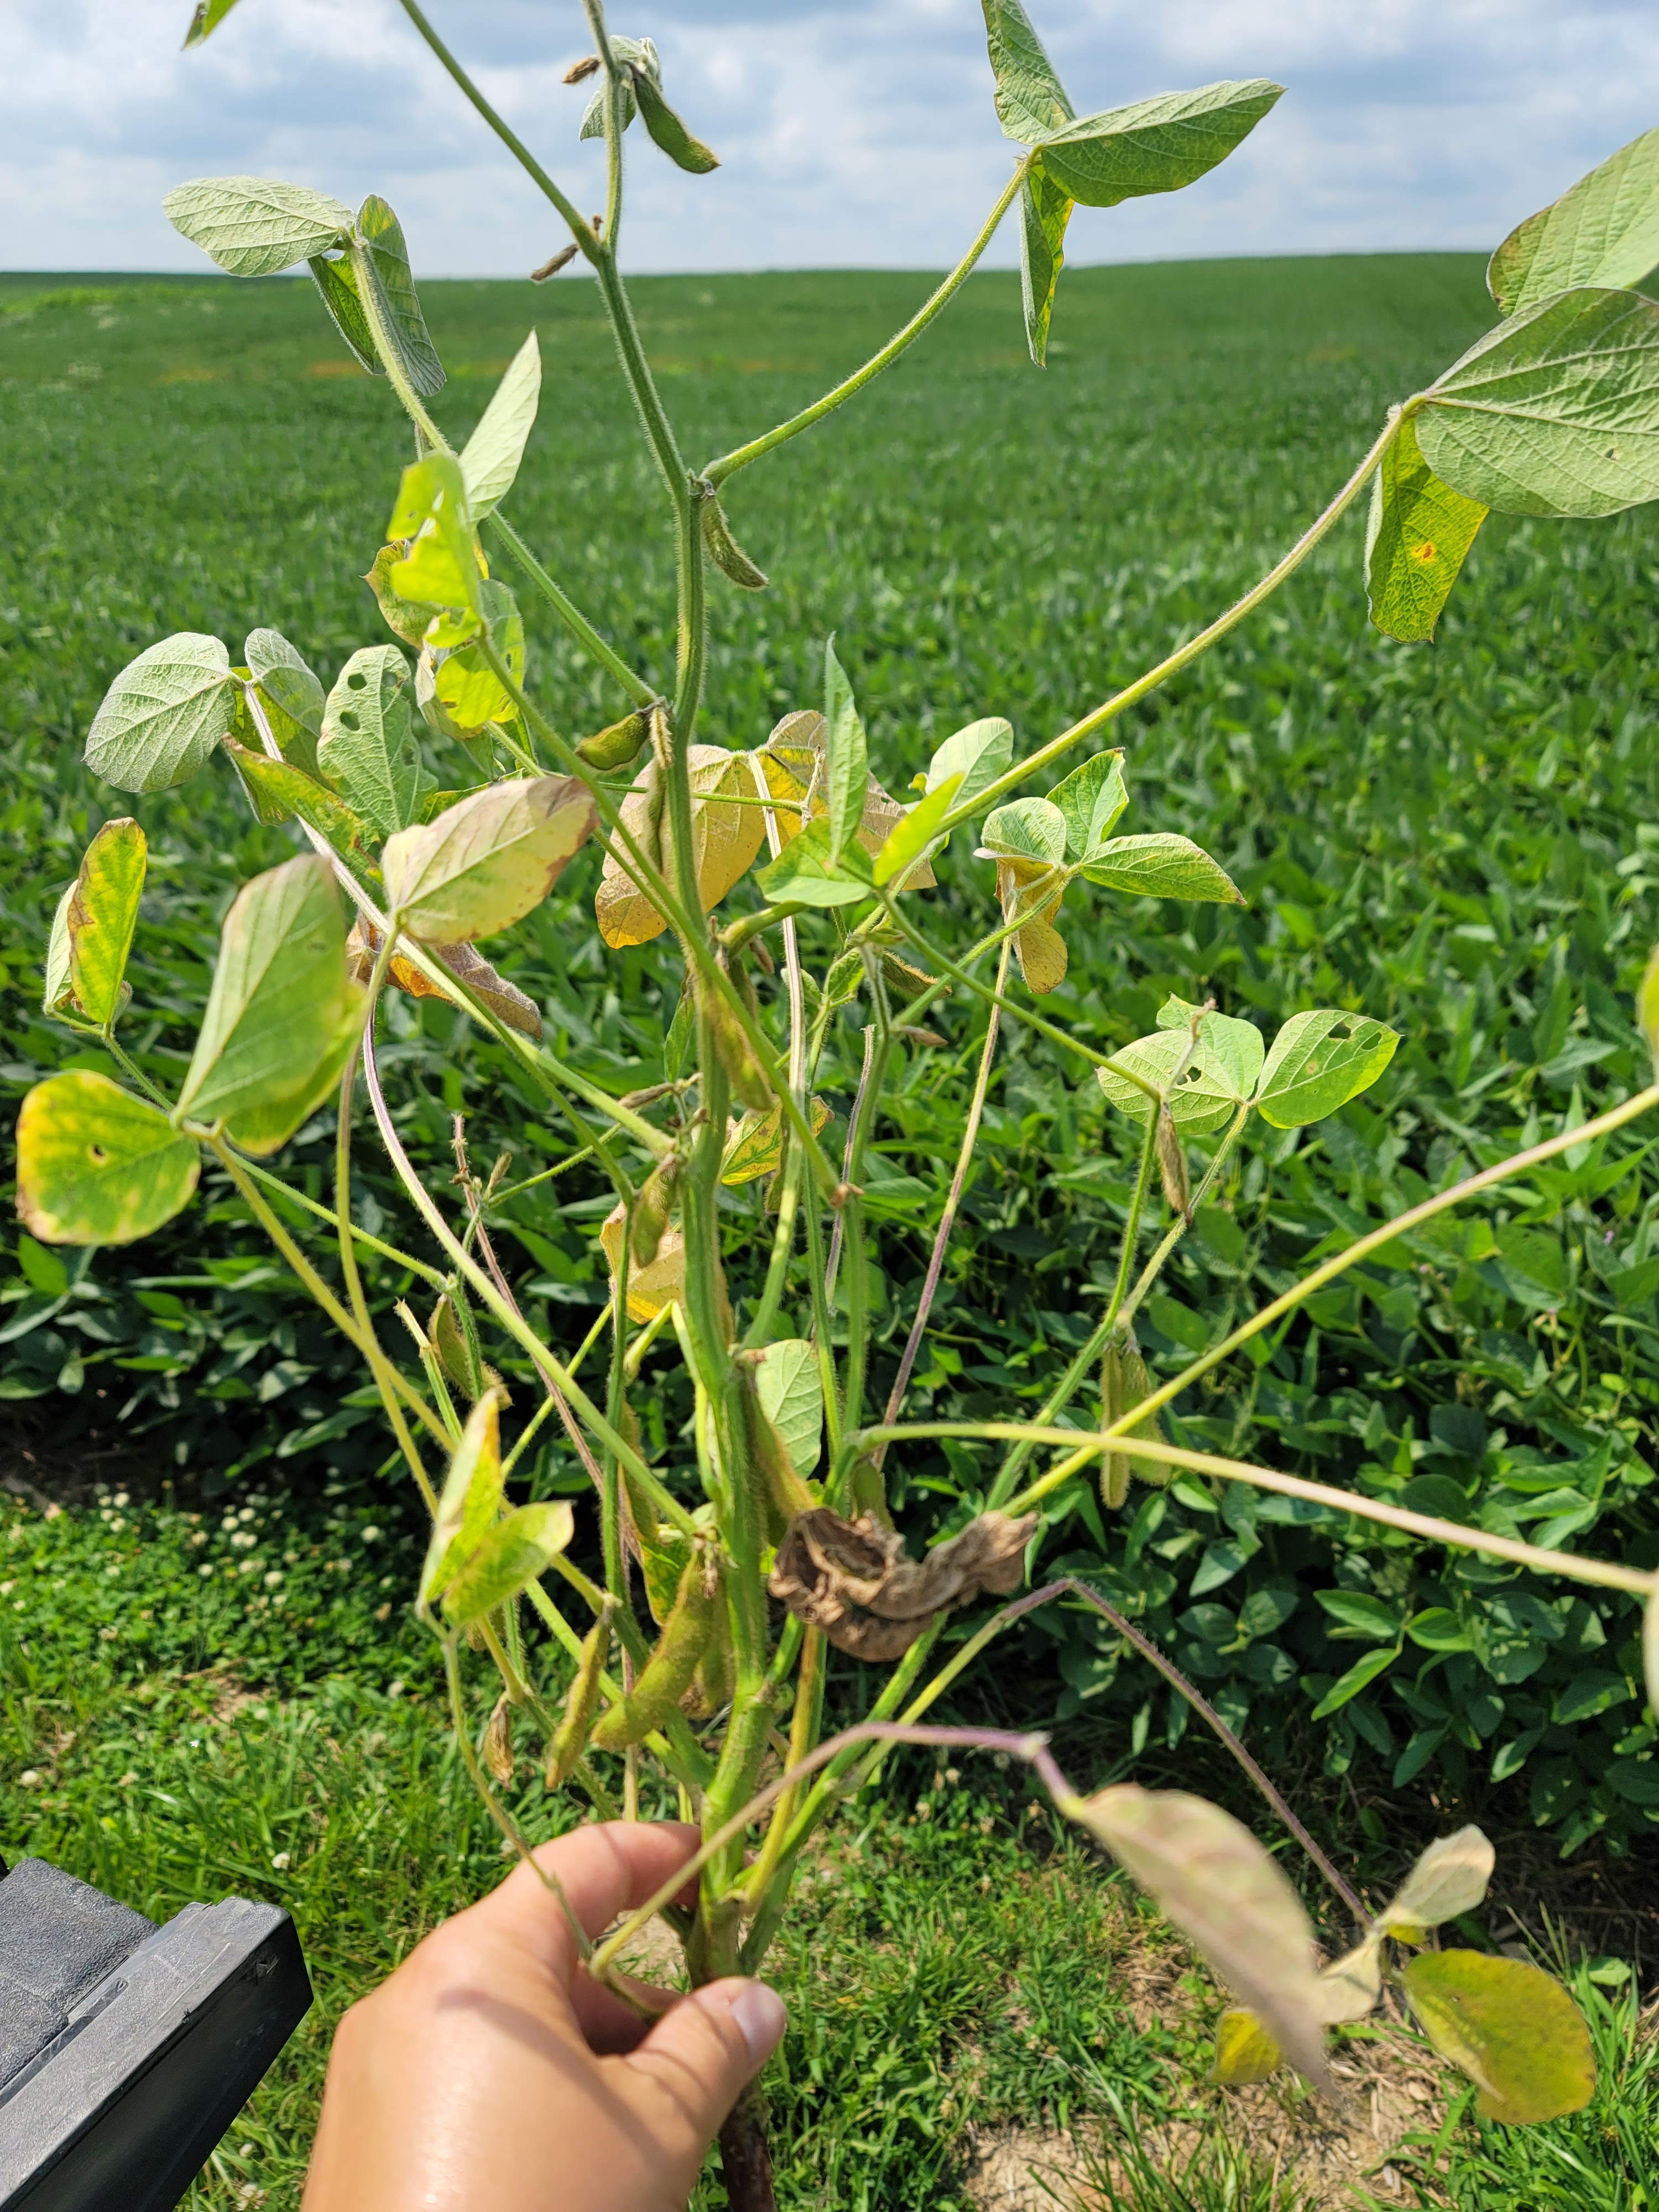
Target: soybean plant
[436,800]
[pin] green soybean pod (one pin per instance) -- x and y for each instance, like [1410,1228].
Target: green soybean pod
[581,1702]
[666,1676]
[724,551]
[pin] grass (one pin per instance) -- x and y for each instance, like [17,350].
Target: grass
[1459,839]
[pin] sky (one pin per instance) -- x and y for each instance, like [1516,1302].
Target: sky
[852,133]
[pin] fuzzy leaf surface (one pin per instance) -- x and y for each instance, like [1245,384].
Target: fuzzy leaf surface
[163,714]
[336,279]
[485,863]
[291,694]
[1156,145]
[96,1166]
[1045,208]
[253,227]
[387,269]
[1030,100]
[1605,230]
[1092,799]
[490,457]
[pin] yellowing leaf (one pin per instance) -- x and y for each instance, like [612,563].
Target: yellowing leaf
[649,1289]
[515,1553]
[471,1498]
[1040,950]
[754,1146]
[484,863]
[1511,2027]
[1352,1984]
[96,1166]
[440,567]
[100,917]
[913,832]
[1245,2051]
[725,839]
[1230,1897]
[464,685]
[1448,1879]
[1418,535]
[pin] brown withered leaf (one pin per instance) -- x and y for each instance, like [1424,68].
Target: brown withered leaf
[464,962]
[854,1580]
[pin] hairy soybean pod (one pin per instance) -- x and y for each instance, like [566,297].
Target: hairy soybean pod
[666,1676]
[724,551]
[1124,1382]
[1172,1162]
[617,746]
[581,1702]
[743,1070]
[651,1211]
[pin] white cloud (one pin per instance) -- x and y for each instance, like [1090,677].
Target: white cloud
[852,132]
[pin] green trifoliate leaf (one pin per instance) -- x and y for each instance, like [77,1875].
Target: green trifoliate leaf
[1555,412]
[1045,208]
[683,149]
[1029,832]
[368,750]
[441,569]
[1319,1060]
[253,227]
[1604,231]
[807,872]
[291,694]
[484,863]
[1359,1676]
[1232,1899]
[58,993]
[208,14]
[1156,145]
[288,790]
[1451,1877]
[1233,1050]
[790,1388]
[471,1498]
[1418,532]
[643,56]
[385,266]
[96,1166]
[979,755]
[490,457]
[847,756]
[337,280]
[101,917]
[516,1552]
[1511,2027]
[282,1013]
[465,687]
[911,838]
[1092,799]
[1162,865]
[1030,100]
[163,714]
[1205,1098]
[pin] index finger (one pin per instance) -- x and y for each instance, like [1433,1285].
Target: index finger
[603,1869]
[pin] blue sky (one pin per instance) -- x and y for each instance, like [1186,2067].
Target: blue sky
[851,132]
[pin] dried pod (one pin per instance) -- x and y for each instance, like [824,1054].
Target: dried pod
[581,1702]
[618,745]
[578,72]
[853,1579]
[1124,1382]
[1172,1164]
[724,551]
[666,1676]
[552,267]
[498,1741]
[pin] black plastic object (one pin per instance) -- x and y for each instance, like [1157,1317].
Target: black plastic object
[126,2050]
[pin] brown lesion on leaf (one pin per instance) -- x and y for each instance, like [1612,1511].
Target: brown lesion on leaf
[1427,552]
[854,1580]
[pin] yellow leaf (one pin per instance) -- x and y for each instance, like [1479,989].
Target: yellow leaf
[725,839]
[1245,2051]
[649,1289]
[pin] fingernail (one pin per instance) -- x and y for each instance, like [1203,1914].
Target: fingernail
[760,2016]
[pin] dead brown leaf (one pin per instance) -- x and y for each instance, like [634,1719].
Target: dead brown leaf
[854,1580]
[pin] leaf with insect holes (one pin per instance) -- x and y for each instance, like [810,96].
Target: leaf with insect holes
[206,20]
[808,874]
[1045,208]
[253,227]
[1245,2051]
[95,1165]
[384,267]
[1233,1051]
[1555,412]
[1162,865]
[368,750]
[465,687]
[1092,799]
[441,568]
[1450,1878]
[516,1552]
[1318,1061]
[59,993]
[336,279]
[1604,231]
[490,457]
[911,837]
[789,1384]
[1230,1897]
[847,756]
[649,1288]
[1156,145]
[470,1498]
[1512,2029]
[754,1146]
[163,714]
[281,1014]
[485,862]
[979,754]
[1030,100]
[1418,535]
[101,917]
[1203,1099]
[290,693]
[683,148]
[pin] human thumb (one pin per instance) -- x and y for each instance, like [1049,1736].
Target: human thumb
[694,2064]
